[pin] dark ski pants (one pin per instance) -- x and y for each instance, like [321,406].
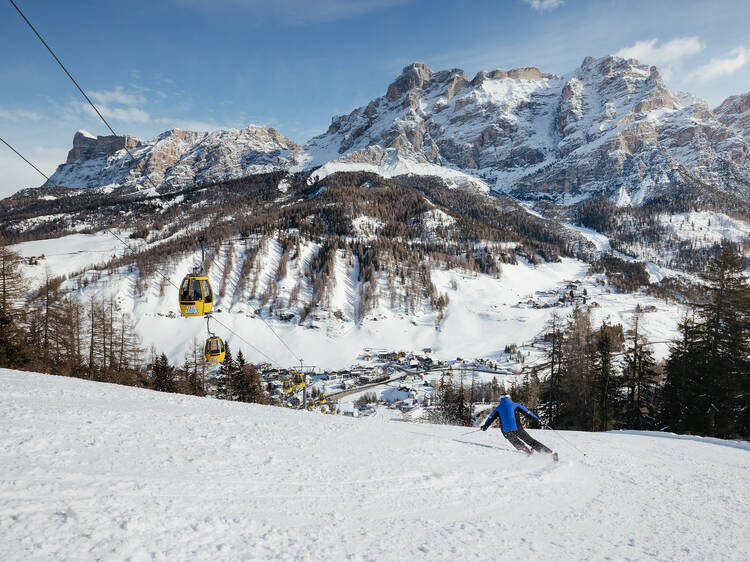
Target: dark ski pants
[516,437]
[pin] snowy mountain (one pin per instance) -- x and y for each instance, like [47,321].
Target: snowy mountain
[175,158]
[609,128]
[93,470]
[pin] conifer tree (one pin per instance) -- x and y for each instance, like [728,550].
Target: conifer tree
[682,407]
[640,377]
[240,384]
[725,339]
[256,392]
[451,401]
[163,374]
[606,382]
[11,295]
[11,283]
[224,381]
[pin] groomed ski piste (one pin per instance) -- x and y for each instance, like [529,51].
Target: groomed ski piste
[98,471]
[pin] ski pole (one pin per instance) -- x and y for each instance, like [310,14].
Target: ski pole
[563,438]
[470,432]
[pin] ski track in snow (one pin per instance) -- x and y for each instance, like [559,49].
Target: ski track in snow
[96,471]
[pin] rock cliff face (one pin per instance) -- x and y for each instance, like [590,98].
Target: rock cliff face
[610,127]
[734,112]
[86,146]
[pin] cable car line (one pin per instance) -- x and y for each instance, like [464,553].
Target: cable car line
[215,319]
[74,82]
[247,342]
[25,160]
[258,313]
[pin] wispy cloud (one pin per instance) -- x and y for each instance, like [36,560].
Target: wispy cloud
[139,111]
[19,115]
[651,52]
[542,6]
[722,66]
[117,104]
[118,96]
[125,114]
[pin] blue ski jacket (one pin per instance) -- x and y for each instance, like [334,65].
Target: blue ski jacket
[506,410]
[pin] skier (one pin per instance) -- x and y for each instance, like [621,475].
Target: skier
[508,412]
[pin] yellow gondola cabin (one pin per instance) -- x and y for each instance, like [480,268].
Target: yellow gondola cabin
[196,296]
[299,381]
[215,350]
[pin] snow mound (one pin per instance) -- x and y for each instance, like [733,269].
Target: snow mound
[94,471]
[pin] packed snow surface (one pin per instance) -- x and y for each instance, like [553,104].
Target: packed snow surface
[96,471]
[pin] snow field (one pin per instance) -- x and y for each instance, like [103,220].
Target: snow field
[484,313]
[705,228]
[96,471]
[68,254]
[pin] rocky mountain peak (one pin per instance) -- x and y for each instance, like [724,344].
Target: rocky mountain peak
[86,146]
[412,76]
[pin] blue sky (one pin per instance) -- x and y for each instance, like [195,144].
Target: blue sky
[293,64]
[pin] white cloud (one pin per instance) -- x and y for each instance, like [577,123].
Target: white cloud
[126,114]
[542,6]
[723,66]
[650,52]
[19,115]
[117,96]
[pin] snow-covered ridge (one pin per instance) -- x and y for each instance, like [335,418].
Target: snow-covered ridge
[92,470]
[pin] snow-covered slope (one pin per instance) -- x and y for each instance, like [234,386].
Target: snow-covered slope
[484,313]
[97,471]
